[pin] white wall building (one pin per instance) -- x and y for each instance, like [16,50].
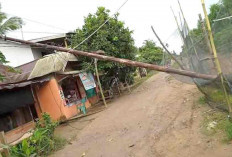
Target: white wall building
[18,54]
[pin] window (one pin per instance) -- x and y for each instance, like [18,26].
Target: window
[71,92]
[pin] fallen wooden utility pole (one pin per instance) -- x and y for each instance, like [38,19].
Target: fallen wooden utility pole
[113,59]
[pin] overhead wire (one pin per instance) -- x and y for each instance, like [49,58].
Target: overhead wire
[48,25]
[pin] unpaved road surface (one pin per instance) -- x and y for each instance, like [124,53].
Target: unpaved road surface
[161,118]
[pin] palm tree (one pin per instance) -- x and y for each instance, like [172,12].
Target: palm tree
[9,24]
[6,25]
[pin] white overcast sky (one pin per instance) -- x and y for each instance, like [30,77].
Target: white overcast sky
[138,15]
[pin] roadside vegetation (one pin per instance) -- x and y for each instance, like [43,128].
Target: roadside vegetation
[114,39]
[42,142]
[150,53]
[216,122]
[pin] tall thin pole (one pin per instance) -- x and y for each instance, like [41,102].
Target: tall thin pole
[218,66]
[21,29]
[65,42]
[99,83]
[167,49]
[178,26]
[205,34]
[185,23]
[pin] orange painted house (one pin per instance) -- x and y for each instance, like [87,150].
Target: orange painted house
[51,99]
[49,85]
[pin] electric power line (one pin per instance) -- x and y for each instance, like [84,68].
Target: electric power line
[48,25]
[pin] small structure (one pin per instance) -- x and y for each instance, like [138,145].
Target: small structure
[55,84]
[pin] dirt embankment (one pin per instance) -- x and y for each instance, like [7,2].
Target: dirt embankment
[161,118]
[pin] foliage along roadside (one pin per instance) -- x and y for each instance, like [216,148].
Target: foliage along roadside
[42,142]
[150,53]
[114,38]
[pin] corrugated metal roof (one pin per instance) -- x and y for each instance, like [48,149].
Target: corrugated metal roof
[37,71]
[23,84]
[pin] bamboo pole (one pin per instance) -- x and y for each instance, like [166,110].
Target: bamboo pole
[206,37]
[3,141]
[218,66]
[185,23]
[167,49]
[65,42]
[99,83]
[178,26]
[114,59]
[183,39]
[205,34]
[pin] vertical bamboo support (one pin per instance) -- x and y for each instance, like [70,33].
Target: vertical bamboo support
[185,23]
[6,151]
[205,34]
[206,37]
[99,83]
[178,26]
[65,42]
[182,37]
[218,66]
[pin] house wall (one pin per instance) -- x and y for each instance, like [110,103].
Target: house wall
[18,132]
[36,53]
[94,99]
[51,102]
[16,54]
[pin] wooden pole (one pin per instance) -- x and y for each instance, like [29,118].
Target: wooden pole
[114,59]
[218,66]
[99,83]
[167,49]
[6,151]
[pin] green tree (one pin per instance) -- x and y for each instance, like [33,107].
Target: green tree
[214,10]
[6,25]
[113,38]
[150,53]
[222,30]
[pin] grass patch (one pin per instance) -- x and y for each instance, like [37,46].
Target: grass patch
[216,97]
[59,143]
[217,123]
[202,100]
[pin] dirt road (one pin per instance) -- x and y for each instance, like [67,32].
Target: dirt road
[161,118]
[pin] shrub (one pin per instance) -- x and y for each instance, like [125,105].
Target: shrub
[41,143]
